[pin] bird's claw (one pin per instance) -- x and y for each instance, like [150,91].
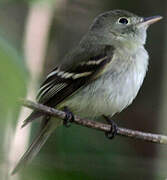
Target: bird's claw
[113,130]
[69,118]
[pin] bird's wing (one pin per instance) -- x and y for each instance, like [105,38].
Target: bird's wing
[62,83]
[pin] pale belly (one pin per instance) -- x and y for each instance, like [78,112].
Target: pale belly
[112,92]
[104,96]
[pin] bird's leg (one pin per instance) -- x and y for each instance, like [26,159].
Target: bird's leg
[69,118]
[113,130]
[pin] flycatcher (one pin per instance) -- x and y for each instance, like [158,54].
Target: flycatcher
[100,76]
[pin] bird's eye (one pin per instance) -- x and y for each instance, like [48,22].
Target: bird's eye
[123,20]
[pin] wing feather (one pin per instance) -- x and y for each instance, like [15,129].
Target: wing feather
[61,84]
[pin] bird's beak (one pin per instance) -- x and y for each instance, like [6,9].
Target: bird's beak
[150,20]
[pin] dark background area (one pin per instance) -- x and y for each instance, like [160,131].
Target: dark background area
[78,152]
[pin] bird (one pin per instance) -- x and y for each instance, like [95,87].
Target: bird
[100,76]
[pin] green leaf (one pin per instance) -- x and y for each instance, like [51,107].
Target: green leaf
[13,76]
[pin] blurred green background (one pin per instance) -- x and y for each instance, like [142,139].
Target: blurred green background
[34,37]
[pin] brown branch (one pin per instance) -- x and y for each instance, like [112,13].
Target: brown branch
[155,138]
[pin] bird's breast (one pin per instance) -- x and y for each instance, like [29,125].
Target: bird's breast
[115,89]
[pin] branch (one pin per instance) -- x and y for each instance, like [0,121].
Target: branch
[154,138]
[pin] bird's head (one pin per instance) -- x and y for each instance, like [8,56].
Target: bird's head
[122,26]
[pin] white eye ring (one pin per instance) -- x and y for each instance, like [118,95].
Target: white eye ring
[123,20]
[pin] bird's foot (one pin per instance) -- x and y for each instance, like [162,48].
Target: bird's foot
[113,130]
[69,118]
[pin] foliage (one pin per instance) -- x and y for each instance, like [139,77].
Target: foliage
[13,77]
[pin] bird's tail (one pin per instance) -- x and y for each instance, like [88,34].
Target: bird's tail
[36,145]
[33,116]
